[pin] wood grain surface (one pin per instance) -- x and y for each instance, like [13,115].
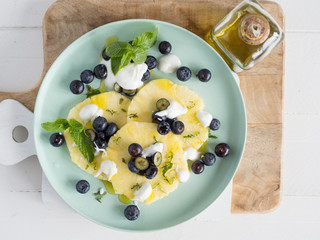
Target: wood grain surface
[257,183]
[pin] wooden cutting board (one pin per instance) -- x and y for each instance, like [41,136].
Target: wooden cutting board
[257,183]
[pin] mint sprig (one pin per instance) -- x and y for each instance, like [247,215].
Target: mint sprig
[122,53]
[77,133]
[58,125]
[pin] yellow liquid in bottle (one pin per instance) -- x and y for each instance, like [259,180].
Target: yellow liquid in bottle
[228,39]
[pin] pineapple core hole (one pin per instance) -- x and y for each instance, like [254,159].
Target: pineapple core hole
[20,134]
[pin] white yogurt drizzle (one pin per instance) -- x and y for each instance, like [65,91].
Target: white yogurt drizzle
[107,167]
[183,175]
[205,118]
[143,193]
[90,112]
[128,77]
[169,63]
[192,153]
[97,150]
[174,110]
[152,149]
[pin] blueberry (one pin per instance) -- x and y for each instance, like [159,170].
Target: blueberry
[87,76]
[56,139]
[131,212]
[100,143]
[130,42]
[214,124]
[222,150]
[208,159]
[100,71]
[111,129]
[83,186]
[177,127]
[76,87]
[204,75]
[184,73]
[100,124]
[165,47]
[152,62]
[151,172]
[156,118]
[163,128]
[145,76]
[104,55]
[171,120]
[135,149]
[132,166]
[101,135]
[197,167]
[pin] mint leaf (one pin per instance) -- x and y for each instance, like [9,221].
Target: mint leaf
[115,64]
[126,58]
[122,53]
[146,40]
[118,49]
[77,132]
[58,125]
[81,139]
[139,55]
[75,126]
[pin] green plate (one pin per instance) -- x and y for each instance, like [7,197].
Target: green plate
[222,98]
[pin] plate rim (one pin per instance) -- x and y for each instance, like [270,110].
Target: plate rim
[69,48]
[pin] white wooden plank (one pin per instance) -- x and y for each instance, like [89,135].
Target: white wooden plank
[22,177]
[302,83]
[22,13]
[297,218]
[21,58]
[300,15]
[301,119]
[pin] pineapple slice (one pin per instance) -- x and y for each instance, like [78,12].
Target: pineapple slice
[144,104]
[124,181]
[114,107]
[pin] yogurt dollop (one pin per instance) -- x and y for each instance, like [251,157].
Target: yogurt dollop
[205,118]
[90,112]
[128,77]
[143,193]
[98,113]
[169,63]
[152,149]
[174,110]
[183,175]
[109,168]
[192,153]
[87,112]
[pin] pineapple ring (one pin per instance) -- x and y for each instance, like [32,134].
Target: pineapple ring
[112,104]
[145,134]
[144,104]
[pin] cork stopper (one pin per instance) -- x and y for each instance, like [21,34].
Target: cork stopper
[254,29]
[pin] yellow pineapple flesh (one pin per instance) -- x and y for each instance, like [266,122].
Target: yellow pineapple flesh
[124,181]
[114,107]
[144,104]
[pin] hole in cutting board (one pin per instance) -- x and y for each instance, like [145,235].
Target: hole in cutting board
[20,134]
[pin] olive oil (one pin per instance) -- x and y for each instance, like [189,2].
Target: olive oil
[124,199]
[109,187]
[246,35]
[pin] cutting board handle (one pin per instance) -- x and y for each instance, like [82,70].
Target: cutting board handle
[27,98]
[15,115]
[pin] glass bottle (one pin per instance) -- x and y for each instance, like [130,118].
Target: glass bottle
[245,36]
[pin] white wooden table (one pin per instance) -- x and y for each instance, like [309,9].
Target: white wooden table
[23,215]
